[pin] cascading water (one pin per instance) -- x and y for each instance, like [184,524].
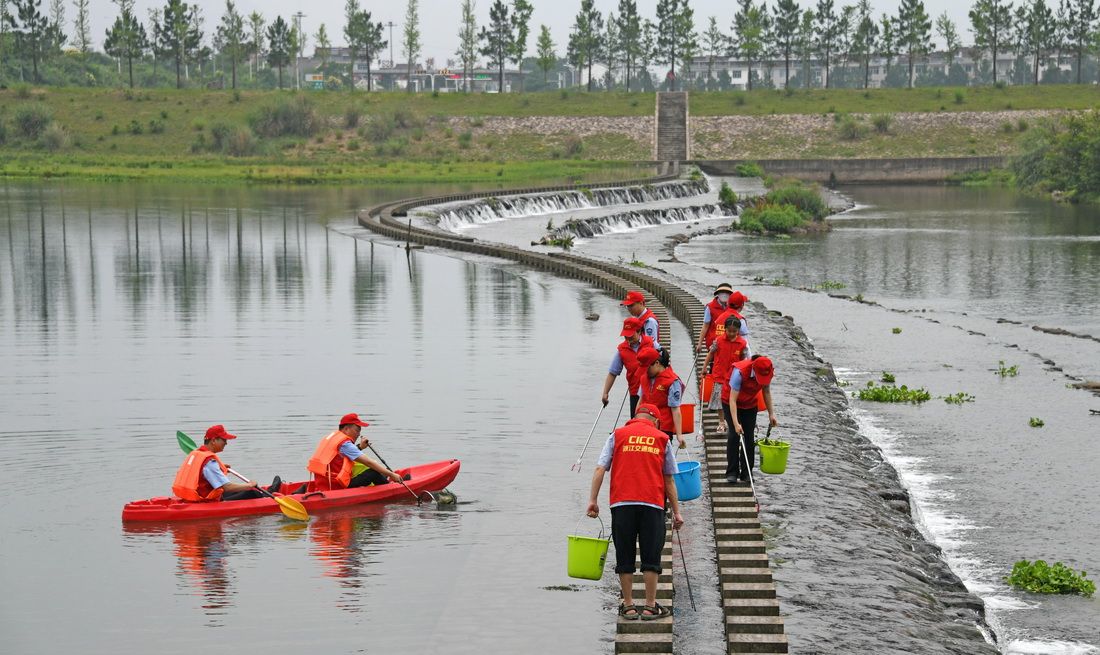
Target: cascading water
[495,209]
[632,220]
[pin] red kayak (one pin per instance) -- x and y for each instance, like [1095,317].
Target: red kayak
[425,477]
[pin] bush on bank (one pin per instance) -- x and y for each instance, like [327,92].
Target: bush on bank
[1062,157]
[787,208]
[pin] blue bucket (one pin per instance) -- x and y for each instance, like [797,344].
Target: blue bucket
[689,485]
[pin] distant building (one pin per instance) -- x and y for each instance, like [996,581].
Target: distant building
[425,76]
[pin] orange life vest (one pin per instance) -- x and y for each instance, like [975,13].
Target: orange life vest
[752,392]
[716,309]
[328,472]
[637,464]
[656,391]
[190,484]
[630,362]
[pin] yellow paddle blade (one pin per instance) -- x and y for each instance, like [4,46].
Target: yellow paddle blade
[292,508]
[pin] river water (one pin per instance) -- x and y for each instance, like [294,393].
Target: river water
[957,279]
[128,312]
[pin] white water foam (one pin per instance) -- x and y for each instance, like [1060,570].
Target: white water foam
[1041,647]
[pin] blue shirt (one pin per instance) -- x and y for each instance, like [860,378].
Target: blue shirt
[213,474]
[350,450]
[707,318]
[650,328]
[675,393]
[617,361]
[604,461]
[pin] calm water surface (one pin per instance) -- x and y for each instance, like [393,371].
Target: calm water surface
[128,312]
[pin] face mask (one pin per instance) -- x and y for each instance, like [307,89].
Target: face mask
[723,297]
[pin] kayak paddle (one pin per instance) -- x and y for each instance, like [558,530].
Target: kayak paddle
[290,507]
[415,495]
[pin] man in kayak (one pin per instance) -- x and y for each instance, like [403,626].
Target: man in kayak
[333,460]
[626,357]
[635,304]
[203,478]
[641,464]
[750,380]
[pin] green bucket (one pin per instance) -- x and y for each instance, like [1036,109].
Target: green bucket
[586,556]
[773,456]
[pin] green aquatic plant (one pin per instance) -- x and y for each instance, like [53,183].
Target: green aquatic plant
[1041,578]
[564,242]
[958,398]
[748,169]
[1007,371]
[726,195]
[890,394]
[1035,422]
[637,263]
[888,378]
[896,330]
[828,285]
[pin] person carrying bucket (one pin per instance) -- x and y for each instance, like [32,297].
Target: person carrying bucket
[729,348]
[335,457]
[635,304]
[662,387]
[641,465]
[626,357]
[751,380]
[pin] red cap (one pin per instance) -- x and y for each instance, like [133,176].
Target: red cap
[648,408]
[353,419]
[762,367]
[633,297]
[218,432]
[737,300]
[631,327]
[647,356]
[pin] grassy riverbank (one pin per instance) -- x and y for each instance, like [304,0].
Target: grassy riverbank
[206,136]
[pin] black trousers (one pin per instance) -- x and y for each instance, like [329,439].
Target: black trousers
[367,478]
[633,406]
[633,526]
[735,462]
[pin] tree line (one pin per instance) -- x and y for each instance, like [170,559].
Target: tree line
[825,44]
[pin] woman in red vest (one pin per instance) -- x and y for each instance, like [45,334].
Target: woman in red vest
[626,357]
[750,380]
[663,388]
[203,478]
[642,466]
[333,460]
[726,302]
[635,304]
[730,348]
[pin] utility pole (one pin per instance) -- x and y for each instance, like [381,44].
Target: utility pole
[298,55]
[391,25]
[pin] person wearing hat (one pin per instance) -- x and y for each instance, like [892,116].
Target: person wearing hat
[662,387]
[751,380]
[716,307]
[203,478]
[335,457]
[641,465]
[635,304]
[729,348]
[626,356]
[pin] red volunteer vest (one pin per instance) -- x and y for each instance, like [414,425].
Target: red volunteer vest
[330,469]
[727,353]
[720,324]
[751,394]
[716,309]
[190,484]
[637,464]
[656,391]
[646,315]
[630,362]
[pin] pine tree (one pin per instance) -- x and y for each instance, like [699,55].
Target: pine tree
[675,34]
[278,46]
[991,22]
[1081,34]
[610,52]
[945,29]
[410,41]
[521,29]
[30,31]
[825,43]
[806,45]
[914,31]
[467,40]
[351,10]
[1037,33]
[786,30]
[365,36]
[584,41]
[547,58]
[82,29]
[231,34]
[177,33]
[630,36]
[498,39]
[748,35]
[714,44]
[126,39]
[256,45]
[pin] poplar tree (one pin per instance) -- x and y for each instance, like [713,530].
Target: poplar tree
[630,37]
[351,9]
[278,46]
[990,22]
[584,42]
[467,40]
[256,46]
[914,31]
[231,33]
[126,39]
[945,29]
[825,41]
[410,42]
[324,47]
[82,30]
[787,16]
[546,57]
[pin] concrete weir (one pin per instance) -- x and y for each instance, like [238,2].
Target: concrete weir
[752,618]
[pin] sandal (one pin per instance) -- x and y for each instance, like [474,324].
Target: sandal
[657,611]
[629,612]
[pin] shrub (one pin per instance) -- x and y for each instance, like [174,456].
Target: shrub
[748,223]
[959,97]
[739,100]
[806,199]
[748,169]
[135,127]
[1007,128]
[1042,578]
[198,124]
[115,130]
[726,195]
[1021,125]
[55,138]
[351,117]
[780,219]
[99,115]
[32,120]
[352,144]
[574,145]
[465,139]
[850,129]
[477,121]
[882,122]
[286,117]
[156,127]
[396,147]
[236,95]
[232,139]
[22,91]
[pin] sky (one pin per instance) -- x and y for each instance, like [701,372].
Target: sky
[439,18]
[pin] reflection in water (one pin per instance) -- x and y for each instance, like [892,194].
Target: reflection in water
[337,542]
